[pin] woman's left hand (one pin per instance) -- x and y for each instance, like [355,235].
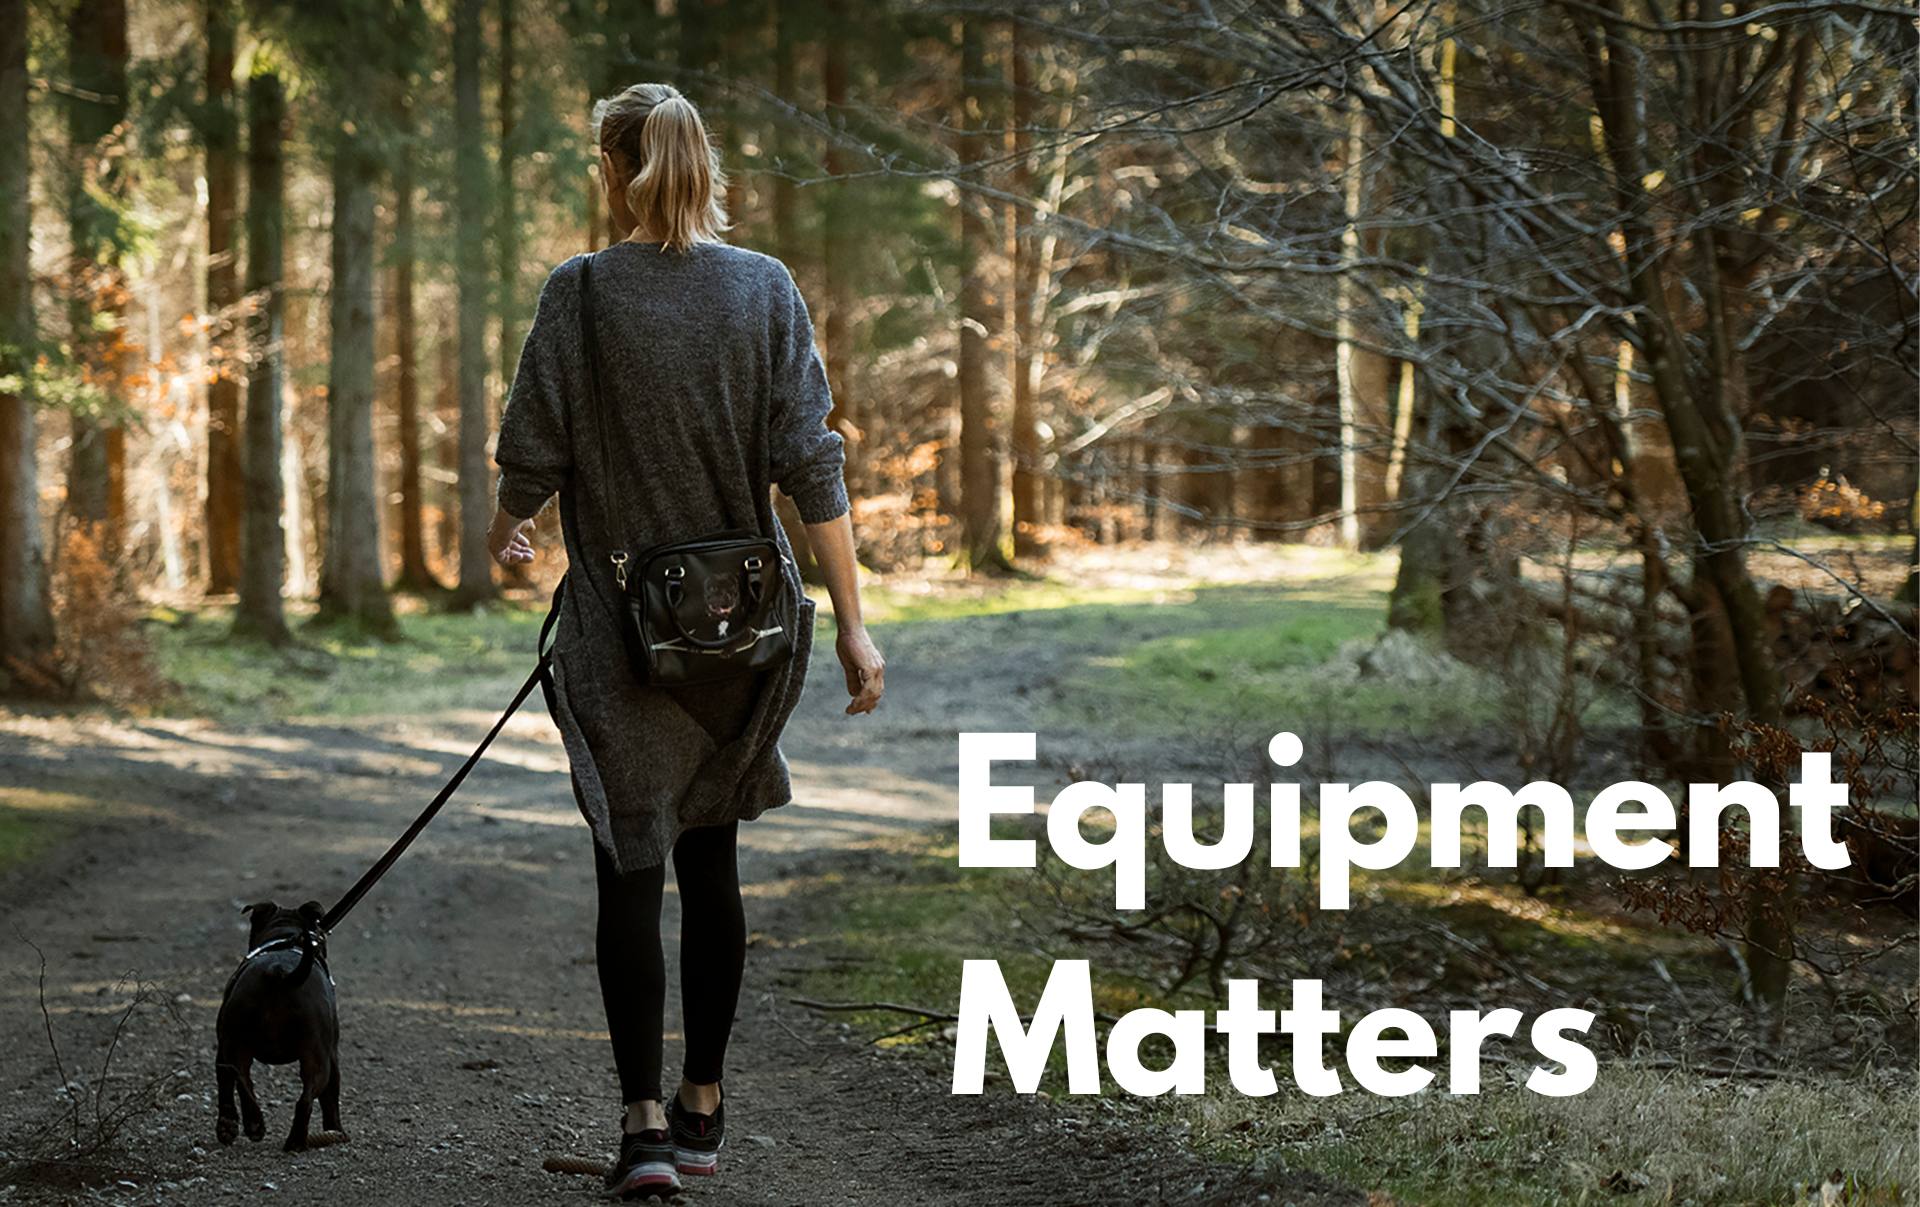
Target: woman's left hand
[508,540]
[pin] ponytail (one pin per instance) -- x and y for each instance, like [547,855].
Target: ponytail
[677,188]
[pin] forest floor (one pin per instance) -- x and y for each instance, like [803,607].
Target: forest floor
[472,1039]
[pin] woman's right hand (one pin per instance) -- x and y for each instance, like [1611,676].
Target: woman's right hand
[866,669]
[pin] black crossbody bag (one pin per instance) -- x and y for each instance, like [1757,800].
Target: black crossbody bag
[694,611]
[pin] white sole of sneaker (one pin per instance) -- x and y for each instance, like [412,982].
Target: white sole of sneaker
[698,1164]
[653,1179]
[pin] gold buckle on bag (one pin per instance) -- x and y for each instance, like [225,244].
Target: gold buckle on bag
[619,561]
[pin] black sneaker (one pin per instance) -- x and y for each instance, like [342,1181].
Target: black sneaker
[645,1168]
[696,1138]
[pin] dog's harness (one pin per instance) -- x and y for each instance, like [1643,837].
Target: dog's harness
[289,943]
[539,678]
[314,939]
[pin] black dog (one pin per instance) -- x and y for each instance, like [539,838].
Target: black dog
[279,1008]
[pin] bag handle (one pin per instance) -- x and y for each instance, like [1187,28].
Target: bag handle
[590,339]
[751,587]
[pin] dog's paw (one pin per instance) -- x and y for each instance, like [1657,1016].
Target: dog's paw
[256,1130]
[228,1129]
[295,1144]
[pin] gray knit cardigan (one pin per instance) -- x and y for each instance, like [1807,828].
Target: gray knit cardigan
[714,393]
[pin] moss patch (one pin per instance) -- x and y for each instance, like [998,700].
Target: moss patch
[32,821]
[442,661]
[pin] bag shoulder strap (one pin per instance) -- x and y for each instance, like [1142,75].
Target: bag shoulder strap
[589,338]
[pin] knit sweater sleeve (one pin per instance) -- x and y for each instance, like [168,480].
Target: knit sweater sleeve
[808,459]
[535,449]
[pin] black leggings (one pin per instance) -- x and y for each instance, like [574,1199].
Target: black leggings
[633,971]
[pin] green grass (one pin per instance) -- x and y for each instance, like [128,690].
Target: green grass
[24,835]
[906,599]
[885,604]
[442,661]
[1639,1135]
[34,820]
[903,939]
[1184,654]
[1259,652]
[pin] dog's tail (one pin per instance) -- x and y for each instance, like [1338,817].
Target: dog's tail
[310,941]
[309,951]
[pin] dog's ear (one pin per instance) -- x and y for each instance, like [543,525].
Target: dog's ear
[259,914]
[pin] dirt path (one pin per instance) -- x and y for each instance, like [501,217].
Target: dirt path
[473,1046]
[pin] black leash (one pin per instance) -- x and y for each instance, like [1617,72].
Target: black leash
[539,679]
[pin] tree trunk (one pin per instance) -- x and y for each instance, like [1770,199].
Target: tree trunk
[26,617]
[980,458]
[415,574]
[786,208]
[351,584]
[446,409]
[1706,450]
[1348,302]
[507,246]
[786,237]
[1153,516]
[96,109]
[1909,591]
[1434,594]
[224,476]
[470,217]
[1026,437]
[264,544]
[1430,547]
[837,330]
[1403,406]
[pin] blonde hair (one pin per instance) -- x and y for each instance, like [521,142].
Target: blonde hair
[677,190]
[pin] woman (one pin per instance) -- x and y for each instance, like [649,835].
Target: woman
[713,392]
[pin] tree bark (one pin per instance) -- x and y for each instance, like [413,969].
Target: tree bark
[470,216]
[786,237]
[1433,594]
[980,459]
[836,331]
[507,213]
[224,476]
[786,209]
[1026,437]
[415,574]
[1706,443]
[446,409]
[1348,302]
[264,543]
[26,615]
[96,109]
[351,584]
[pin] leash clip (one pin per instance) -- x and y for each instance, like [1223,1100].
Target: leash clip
[619,560]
